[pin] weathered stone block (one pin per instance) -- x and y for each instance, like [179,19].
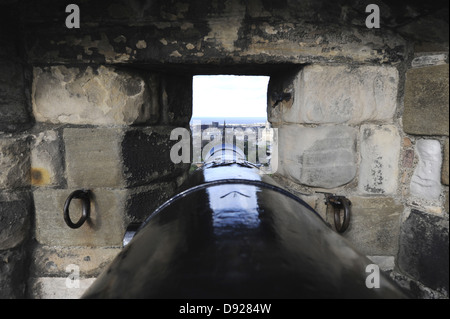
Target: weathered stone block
[47,168]
[13,272]
[111,212]
[445,164]
[102,96]
[15,218]
[340,94]
[14,111]
[52,261]
[427,60]
[146,156]
[426,181]
[117,157]
[427,101]
[380,151]
[375,225]
[94,157]
[321,156]
[105,227]
[142,201]
[14,162]
[424,250]
[57,288]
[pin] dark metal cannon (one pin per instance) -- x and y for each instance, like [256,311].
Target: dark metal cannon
[233,233]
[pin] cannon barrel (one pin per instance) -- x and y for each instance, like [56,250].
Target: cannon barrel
[232,232]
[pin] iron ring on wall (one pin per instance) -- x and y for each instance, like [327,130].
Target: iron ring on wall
[84,195]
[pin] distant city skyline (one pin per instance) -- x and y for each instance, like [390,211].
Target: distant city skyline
[229,96]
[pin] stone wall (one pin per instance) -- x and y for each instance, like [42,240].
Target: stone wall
[363,113]
[98,128]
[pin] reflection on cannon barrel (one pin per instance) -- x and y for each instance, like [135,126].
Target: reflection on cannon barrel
[233,233]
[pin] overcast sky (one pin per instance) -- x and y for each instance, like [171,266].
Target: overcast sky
[230,96]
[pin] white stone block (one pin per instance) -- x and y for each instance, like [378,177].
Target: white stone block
[322,156]
[426,181]
[380,151]
[342,94]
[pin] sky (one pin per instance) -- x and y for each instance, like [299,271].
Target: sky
[230,96]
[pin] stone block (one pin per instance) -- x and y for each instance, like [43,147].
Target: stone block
[57,288]
[117,157]
[14,162]
[105,227]
[101,96]
[14,111]
[142,201]
[13,271]
[374,225]
[146,156]
[445,164]
[340,94]
[94,157]
[426,180]
[111,212]
[380,151]
[50,261]
[47,168]
[15,218]
[426,101]
[321,157]
[424,250]
[386,263]
[427,60]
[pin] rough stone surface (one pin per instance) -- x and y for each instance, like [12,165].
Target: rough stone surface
[424,249]
[446,201]
[14,162]
[105,227]
[321,156]
[13,270]
[233,32]
[426,101]
[15,218]
[146,156]
[380,151]
[426,181]
[14,111]
[47,167]
[375,224]
[56,288]
[116,157]
[427,60]
[101,96]
[93,157]
[50,261]
[445,164]
[142,201]
[341,94]
[386,263]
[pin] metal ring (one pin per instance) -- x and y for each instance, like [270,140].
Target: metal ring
[84,196]
[344,204]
